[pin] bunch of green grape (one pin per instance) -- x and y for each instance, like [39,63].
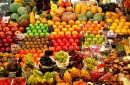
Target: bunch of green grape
[90,63]
[28,62]
[61,56]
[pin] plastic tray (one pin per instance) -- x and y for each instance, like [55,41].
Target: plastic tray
[21,78]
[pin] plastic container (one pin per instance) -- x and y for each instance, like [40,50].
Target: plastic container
[24,80]
[6,81]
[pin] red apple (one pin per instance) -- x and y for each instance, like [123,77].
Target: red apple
[3,25]
[6,29]
[2,33]
[17,32]
[53,41]
[9,40]
[13,29]
[77,41]
[57,37]
[68,37]
[16,25]
[2,36]
[52,49]
[74,36]
[8,49]
[1,29]
[8,37]
[80,36]
[74,44]
[62,36]
[58,48]
[4,40]
[10,33]
[71,47]
[58,41]
[1,45]
[10,25]
[55,44]
[2,49]
[68,44]
[21,29]
[64,40]
[6,45]
[51,37]
[77,48]
[71,40]
[64,48]
[62,44]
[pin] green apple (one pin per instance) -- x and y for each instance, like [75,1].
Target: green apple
[36,34]
[98,36]
[27,28]
[98,42]
[45,25]
[33,27]
[26,34]
[39,31]
[41,34]
[38,27]
[30,34]
[30,25]
[44,31]
[47,28]
[89,39]
[92,35]
[35,24]
[86,43]
[101,39]
[95,39]
[86,35]
[34,31]
[29,31]
[103,42]
[92,43]
[42,28]
[102,35]
[41,24]
[47,34]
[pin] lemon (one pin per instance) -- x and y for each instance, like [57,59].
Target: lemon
[38,22]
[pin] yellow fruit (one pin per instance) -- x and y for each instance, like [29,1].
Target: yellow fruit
[124,31]
[77,22]
[60,33]
[109,20]
[50,22]
[44,21]
[116,21]
[117,31]
[125,27]
[54,26]
[99,9]
[38,22]
[56,30]
[54,33]
[93,9]
[112,27]
[108,14]
[127,24]
[121,24]
[119,27]
[114,24]
[122,20]
[128,31]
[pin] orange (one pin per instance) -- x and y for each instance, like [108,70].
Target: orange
[33,51]
[74,26]
[54,26]
[17,55]
[95,32]
[57,23]
[112,27]
[99,26]
[78,29]
[128,31]
[37,59]
[93,25]
[124,31]
[119,27]
[35,55]
[27,51]
[125,27]
[91,29]
[60,33]
[67,33]
[21,52]
[84,23]
[84,29]
[114,24]
[118,31]
[96,29]
[89,22]
[71,22]
[127,24]
[54,33]
[74,33]
[77,22]
[108,14]
[122,20]
[63,24]
[60,27]
[39,51]
[121,24]
[67,26]
[116,21]
[22,55]
[41,54]
[56,30]
[64,30]
[71,29]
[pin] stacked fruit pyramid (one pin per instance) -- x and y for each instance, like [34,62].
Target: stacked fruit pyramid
[68,30]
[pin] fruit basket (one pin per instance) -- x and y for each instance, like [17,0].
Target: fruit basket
[19,81]
[6,81]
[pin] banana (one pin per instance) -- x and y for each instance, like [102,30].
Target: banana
[46,75]
[83,8]
[50,81]
[37,73]
[35,81]
[44,80]
[39,78]
[77,8]
[52,75]
[29,81]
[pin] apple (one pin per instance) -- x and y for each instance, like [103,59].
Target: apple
[45,25]
[15,37]
[79,35]
[33,31]
[41,34]
[21,29]
[62,44]
[10,25]
[9,33]
[41,24]
[30,25]
[57,36]
[92,35]
[77,48]
[68,44]
[1,45]
[44,31]
[13,29]
[2,33]
[47,34]
[16,25]
[74,36]
[51,37]
[71,40]
[58,41]
[1,29]
[5,29]
[77,41]
[92,43]
[8,49]
[30,34]
[64,40]
[39,31]
[53,41]
[58,48]
[35,24]
[86,43]
[38,27]
[97,36]
[28,28]
[4,40]
[64,48]
[71,47]
[89,39]
[95,39]
[2,49]
[2,36]
[98,42]
[74,44]
[6,45]
[101,39]
[103,42]
[68,37]
[62,36]
[3,25]
[43,28]
[55,44]
[17,32]
[10,40]
[36,34]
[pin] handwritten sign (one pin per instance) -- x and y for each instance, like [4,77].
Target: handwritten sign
[4,4]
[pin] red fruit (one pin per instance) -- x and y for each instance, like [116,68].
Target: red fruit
[68,37]
[55,44]
[1,29]
[57,37]
[67,4]
[9,33]
[10,25]
[77,48]
[61,4]
[6,44]
[68,44]
[9,40]
[6,29]
[77,41]
[2,36]
[80,35]
[1,45]
[53,41]
[21,29]
[8,37]
[4,40]
[8,49]
[74,36]
[62,44]
[62,36]
[17,32]
[64,40]
[58,48]
[51,37]
[52,49]
[2,33]
[58,41]
[71,47]
[3,25]
[13,29]
[71,40]
[74,44]
[64,48]
[2,49]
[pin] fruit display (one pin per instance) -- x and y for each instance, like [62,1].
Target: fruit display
[6,81]
[19,81]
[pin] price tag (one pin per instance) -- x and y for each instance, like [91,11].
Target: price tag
[12,74]
[21,36]
[109,23]
[20,42]
[5,19]
[15,48]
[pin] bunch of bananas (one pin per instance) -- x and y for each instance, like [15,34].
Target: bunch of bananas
[38,77]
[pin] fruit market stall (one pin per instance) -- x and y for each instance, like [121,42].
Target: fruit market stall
[65,43]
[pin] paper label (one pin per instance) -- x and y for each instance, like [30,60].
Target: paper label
[5,19]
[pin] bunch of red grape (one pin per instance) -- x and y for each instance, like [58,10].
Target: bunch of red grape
[43,5]
[76,59]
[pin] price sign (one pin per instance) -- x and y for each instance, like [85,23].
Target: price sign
[12,74]
[109,23]
[4,4]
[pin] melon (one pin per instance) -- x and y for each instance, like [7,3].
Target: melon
[97,17]
[82,17]
[22,10]
[13,7]
[89,15]
[14,17]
